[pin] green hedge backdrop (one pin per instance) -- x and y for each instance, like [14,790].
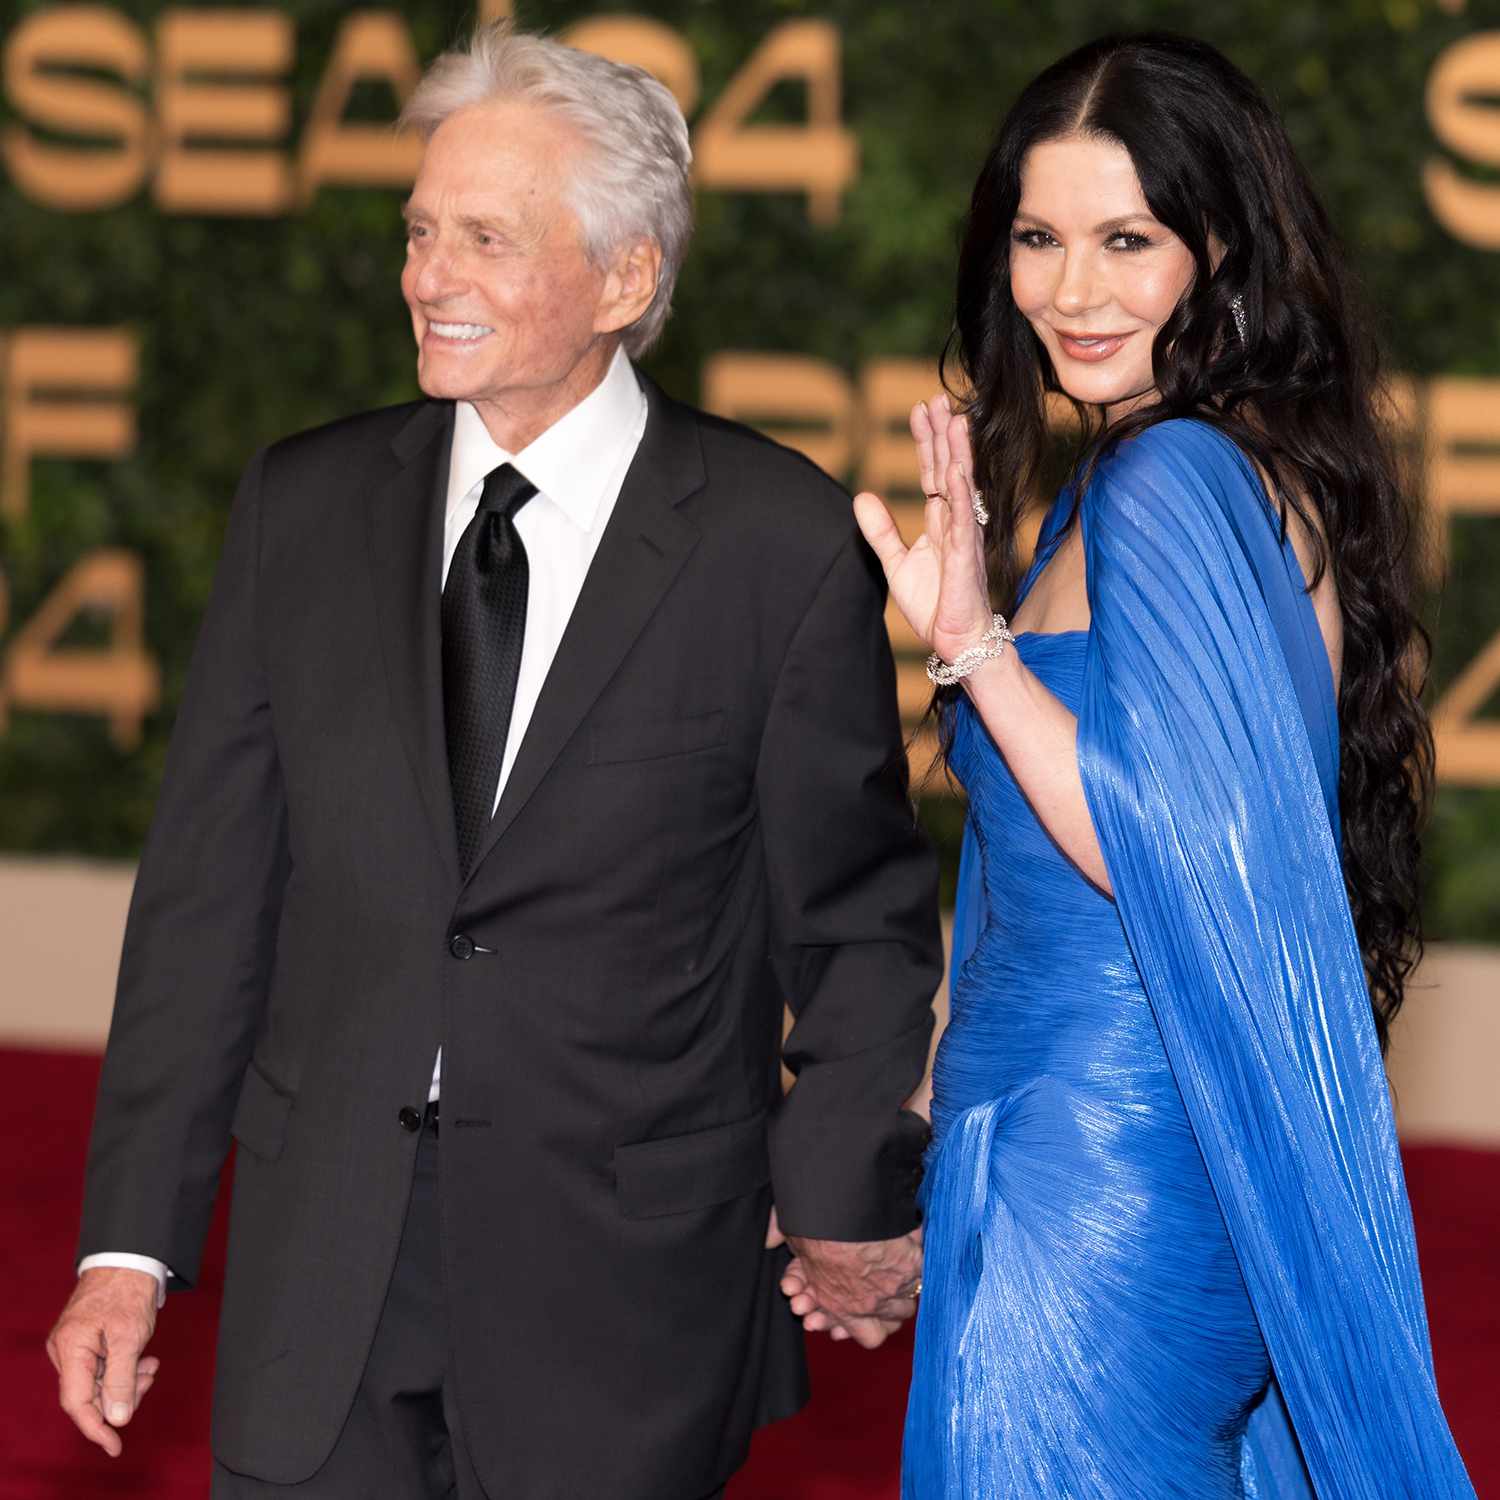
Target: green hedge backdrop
[252,328]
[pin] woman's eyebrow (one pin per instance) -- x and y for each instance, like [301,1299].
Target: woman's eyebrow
[1107,227]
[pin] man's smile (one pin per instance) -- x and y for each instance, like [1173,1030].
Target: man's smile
[464,332]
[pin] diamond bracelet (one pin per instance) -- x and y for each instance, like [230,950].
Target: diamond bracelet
[990,645]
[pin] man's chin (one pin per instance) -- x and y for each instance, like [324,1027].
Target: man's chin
[446,385]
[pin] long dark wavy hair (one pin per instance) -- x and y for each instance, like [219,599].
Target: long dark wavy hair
[1301,393]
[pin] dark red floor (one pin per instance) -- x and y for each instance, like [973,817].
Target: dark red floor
[844,1447]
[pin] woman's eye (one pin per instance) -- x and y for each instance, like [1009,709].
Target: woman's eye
[1126,240]
[1035,239]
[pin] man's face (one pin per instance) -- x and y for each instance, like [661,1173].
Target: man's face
[503,298]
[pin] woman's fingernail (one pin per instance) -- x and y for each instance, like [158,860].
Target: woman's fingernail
[119,1412]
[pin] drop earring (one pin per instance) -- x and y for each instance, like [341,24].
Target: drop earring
[1237,308]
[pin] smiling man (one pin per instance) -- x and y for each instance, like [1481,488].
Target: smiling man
[540,741]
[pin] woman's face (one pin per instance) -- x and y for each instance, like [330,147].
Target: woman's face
[1092,271]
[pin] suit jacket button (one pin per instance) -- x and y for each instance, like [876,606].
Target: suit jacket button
[461,946]
[411,1119]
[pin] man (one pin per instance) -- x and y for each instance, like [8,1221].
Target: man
[540,738]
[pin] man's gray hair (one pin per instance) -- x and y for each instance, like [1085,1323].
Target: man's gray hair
[634,181]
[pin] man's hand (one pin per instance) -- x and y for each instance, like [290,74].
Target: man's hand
[96,1350]
[859,1290]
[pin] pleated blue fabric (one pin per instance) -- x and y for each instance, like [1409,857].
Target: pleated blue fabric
[1169,1250]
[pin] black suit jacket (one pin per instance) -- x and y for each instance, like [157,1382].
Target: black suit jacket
[708,813]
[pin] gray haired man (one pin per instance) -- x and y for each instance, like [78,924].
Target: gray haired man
[540,740]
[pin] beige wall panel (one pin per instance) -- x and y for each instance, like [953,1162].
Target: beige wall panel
[1445,1048]
[61,923]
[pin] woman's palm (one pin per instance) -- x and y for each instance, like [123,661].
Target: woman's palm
[938,583]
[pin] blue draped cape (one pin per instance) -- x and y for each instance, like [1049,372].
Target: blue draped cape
[1208,746]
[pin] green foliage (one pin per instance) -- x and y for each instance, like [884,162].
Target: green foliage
[255,328]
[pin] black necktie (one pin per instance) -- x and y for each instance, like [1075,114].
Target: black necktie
[484,625]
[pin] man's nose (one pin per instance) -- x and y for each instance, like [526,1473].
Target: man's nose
[1078,287]
[438,277]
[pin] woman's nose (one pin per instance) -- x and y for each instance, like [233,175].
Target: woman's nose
[1077,289]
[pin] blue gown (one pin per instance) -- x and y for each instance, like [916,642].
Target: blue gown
[1168,1246]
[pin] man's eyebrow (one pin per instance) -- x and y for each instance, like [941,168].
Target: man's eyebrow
[492,221]
[484,221]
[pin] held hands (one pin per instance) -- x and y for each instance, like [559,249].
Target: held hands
[864,1291]
[96,1350]
[939,582]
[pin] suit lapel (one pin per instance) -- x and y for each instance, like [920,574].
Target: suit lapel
[644,545]
[406,558]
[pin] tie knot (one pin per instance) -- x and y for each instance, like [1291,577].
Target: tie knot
[506,490]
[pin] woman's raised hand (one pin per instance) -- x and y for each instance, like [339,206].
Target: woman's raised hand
[939,582]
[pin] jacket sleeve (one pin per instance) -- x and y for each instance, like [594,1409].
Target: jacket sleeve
[857,943]
[199,941]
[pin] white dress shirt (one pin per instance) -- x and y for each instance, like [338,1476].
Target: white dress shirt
[578,466]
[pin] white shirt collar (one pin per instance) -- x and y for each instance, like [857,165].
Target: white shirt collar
[572,462]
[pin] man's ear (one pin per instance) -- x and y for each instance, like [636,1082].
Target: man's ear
[629,286]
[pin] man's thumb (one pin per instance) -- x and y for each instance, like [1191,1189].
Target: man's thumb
[121,1356]
[774,1236]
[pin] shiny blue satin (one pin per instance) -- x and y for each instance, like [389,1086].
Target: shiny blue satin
[1169,1251]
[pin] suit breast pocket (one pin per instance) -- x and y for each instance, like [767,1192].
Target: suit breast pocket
[657,739]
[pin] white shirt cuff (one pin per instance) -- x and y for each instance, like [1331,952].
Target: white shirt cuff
[131,1263]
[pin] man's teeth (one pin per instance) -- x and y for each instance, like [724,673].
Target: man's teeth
[460,330]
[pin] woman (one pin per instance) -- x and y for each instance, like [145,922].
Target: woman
[1165,1210]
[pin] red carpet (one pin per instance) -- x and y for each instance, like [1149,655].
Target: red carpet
[844,1447]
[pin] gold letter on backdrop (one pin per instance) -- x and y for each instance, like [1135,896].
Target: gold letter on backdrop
[73,177]
[643,43]
[1460,92]
[1464,416]
[192,48]
[819,158]
[371,44]
[120,681]
[806,403]
[41,365]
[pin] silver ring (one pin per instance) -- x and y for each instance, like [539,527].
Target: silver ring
[981,515]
